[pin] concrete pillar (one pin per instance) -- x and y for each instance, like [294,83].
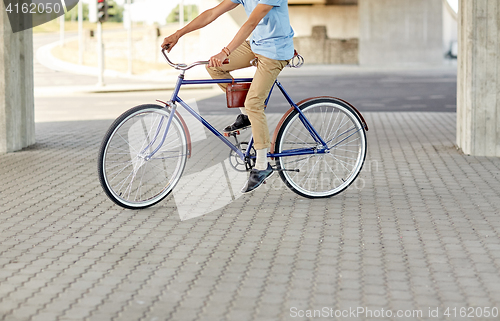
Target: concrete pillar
[17,114]
[478,101]
[401,32]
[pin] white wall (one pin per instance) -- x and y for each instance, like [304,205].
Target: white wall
[450,26]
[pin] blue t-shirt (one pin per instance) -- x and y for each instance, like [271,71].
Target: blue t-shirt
[273,36]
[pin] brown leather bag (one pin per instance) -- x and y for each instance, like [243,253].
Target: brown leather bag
[236,94]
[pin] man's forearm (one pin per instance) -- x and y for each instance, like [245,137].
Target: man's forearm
[199,22]
[242,35]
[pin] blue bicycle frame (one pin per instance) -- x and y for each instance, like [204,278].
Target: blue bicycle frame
[321,148]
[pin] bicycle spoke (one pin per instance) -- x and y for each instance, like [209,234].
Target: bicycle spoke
[346,150]
[340,162]
[305,162]
[346,144]
[299,138]
[310,172]
[126,151]
[342,134]
[124,181]
[115,174]
[331,170]
[176,156]
[328,126]
[126,141]
[148,134]
[338,129]
[160,169]
[345,138]
[343,156]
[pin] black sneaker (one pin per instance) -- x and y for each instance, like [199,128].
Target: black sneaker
[241,122]
[256,178]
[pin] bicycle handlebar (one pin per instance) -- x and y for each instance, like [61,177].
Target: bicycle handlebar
[296,62]
[184,66]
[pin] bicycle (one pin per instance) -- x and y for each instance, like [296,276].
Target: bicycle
[319,146]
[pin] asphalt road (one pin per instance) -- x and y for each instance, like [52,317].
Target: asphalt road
[388,92]
[430,91]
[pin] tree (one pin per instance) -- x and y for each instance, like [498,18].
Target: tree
[190,12]
[116,12]
[73,13]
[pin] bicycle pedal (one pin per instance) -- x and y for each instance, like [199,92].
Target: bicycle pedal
[237,132]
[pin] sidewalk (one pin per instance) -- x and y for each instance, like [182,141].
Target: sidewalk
[418,231]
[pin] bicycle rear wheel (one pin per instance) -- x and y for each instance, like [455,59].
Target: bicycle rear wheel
[322,175]
[128,176]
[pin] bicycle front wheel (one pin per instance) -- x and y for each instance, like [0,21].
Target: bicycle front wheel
[321,175]
[131,173]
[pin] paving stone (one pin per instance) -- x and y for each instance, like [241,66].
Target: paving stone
[414,236]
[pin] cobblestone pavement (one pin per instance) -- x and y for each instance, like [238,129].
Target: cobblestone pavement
[419,231]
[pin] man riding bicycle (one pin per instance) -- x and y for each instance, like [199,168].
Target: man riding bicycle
[272,44]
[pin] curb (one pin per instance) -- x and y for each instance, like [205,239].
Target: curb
[65,90]
[45,58]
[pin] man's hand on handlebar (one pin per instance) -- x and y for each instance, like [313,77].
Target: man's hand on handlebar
[218,60]
[215,61]
[169,42]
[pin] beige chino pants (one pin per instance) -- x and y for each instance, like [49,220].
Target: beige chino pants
[263,80]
